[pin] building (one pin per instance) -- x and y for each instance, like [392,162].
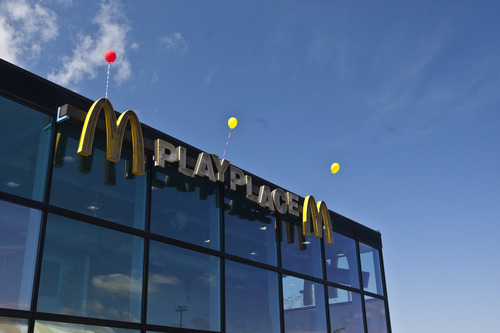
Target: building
[189,244]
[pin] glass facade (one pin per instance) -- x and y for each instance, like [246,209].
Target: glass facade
[87,246]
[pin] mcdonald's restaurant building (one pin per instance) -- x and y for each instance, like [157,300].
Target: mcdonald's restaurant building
[108,225]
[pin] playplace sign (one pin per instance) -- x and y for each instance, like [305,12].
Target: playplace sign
[208,166]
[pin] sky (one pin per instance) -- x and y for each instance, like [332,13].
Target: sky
[404,95]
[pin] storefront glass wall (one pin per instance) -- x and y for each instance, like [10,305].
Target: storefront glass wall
[102,249]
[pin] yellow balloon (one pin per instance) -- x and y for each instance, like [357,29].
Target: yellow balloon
[232,122]
[335,167]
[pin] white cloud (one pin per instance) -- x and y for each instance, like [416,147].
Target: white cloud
[209,77]
[174,42]
[25,26]
[117,284]
[88,55]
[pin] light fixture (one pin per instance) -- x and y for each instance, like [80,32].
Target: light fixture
[92,207]
[207,241]
[263,228]
[12,184]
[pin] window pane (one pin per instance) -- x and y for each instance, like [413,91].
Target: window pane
[183,288]
[346,311]
[342,261]
[25,135]
[19,229]
[13,325]
[185,208]
[90,271]
[53,327]
[251,299]
[298,253]
[250,229]
[304,306]
[370,265]
[94,186]
[375,315]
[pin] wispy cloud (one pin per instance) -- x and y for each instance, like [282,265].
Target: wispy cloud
[88,55]
[174,42]
[25,27]
[117,284]
[210,76]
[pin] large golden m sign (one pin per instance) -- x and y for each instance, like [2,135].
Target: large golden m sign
[115,130]
[320,216]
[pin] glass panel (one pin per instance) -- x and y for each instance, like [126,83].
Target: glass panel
[52,327]
[342,261]
[370,265]
[252,301]
[304,306]
[375,315]
[25,135]
[94,186]
[19,230]
[250,229]
[346,311]
[13,325]
[185,208]
[90,271]
[298,253]
[183,288]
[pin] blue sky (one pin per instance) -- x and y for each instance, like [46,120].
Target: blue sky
[404,95]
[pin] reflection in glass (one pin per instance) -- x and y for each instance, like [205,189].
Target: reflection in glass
[346,311]
[90,271]
[342,261]
[185,208]
[94,186]
[250,229]
[19,229]
[300,254]
[25,135]
[252,303]
[53,327]
[13,325]
[304,306]
[375,315]
[183,288]
[370,265]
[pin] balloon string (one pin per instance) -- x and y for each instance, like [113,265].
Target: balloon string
[107,81]
[227,143]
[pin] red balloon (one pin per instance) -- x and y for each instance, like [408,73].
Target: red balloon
[110,56]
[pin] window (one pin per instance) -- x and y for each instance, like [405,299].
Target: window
[19,230]
[300,254]
[24,153]
[90,271]
[250,229]
[92,185]
[342,261]
[13,325]
[185,208]
[251,299]
[346,311]
[304,306]
[376,319]
[370,265]
[183,288]
[47,326]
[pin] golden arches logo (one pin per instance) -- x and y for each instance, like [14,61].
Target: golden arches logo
[115,131]
[319,215]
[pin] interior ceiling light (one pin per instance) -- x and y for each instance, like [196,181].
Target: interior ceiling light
[91,207]
[12,184]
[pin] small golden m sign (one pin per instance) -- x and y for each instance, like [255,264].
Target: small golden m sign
[115,130]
